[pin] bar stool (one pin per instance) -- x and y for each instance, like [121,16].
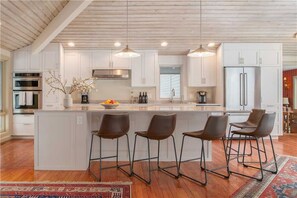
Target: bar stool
[112,127]
[252,122]
[161,127]
[214,129]
[263,129]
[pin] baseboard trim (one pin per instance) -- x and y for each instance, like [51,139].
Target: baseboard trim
[22,137]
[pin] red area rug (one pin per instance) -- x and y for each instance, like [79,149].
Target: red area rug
[282,184]
[65,189]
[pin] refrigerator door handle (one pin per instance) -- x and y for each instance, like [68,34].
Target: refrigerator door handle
[245,76]
[240,88]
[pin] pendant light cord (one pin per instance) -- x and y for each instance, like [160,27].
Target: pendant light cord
[127,20]
[200,22]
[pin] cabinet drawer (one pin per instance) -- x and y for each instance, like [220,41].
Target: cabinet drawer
[23,119]
[23,129]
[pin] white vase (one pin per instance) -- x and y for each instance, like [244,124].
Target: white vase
[68,102]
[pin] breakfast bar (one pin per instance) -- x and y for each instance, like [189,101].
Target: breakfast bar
[63,136]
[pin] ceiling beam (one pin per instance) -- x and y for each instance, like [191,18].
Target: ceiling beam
[72,9]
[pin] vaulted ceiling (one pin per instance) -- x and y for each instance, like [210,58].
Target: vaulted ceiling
[150,22]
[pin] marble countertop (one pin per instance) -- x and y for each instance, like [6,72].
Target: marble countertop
[139,108]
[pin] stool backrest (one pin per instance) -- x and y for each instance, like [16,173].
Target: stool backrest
[161,126]
[215,127]
[255,116]
[114,125]
[265,125]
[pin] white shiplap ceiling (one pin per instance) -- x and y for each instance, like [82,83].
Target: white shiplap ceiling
[150,22]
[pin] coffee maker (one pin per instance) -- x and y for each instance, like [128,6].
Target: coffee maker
[202,96]
[84,98]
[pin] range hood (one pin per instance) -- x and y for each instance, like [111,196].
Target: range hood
[110,74]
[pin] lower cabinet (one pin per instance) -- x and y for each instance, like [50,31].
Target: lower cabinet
[23,125]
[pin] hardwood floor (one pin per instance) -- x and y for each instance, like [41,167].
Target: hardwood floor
[17,164]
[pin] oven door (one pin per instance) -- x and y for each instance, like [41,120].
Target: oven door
[22,105]
[27,83]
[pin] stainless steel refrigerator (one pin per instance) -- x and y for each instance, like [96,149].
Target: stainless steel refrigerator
[242,88]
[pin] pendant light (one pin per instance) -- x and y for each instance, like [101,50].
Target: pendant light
[127,52]
[201,51]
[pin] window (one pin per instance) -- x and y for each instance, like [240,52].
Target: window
[170,82]
[2,126]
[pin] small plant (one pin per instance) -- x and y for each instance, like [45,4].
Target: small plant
[78,85]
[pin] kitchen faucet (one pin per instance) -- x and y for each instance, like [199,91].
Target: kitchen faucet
[172,94]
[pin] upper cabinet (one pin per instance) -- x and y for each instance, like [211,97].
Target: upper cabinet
[106,59]
[53,57]
[250,54]
[144,69]
[201,71]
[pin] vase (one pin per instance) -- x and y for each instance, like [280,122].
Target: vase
[68,102]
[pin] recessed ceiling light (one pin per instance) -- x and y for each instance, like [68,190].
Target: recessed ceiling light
[71,44]
[211,44]
[117,44]
[164,44]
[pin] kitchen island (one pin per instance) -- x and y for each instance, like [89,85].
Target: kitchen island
[63,136]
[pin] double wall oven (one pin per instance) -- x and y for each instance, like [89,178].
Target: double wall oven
[27,92]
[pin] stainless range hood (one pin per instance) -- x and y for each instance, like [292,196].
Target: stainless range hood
[110,74]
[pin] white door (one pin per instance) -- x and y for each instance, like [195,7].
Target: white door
[120,63]
[209,70]
[137,76]
[51,60]
[71,67]
[269,58]
[194,71]
[150,69]
[249,57]
[231,57]
[20,60]
[50,99]
[35,62]
[85,65]
[101,59]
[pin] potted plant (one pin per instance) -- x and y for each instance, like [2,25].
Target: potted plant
[78,85]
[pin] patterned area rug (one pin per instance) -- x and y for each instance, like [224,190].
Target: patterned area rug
[283,184]
[66,189]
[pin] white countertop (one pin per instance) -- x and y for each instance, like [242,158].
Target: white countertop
[139,108]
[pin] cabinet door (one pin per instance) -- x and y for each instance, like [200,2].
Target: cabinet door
[231,57]
[35,62]
[194,71]
[120,63]
[101,59]
[271,94]
[269,58]
[249,57]
[150,69]
[23,125]
[51,60]
[50,100]
[20,60]
[71,67]
[85,65]
[208,73]
[137,73]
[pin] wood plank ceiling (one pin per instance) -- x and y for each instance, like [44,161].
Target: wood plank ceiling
[23,21]
[152,21]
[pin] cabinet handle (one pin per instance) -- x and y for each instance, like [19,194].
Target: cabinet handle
[277,57]
[49,105]
[260,61]
[27,124]
[242,60]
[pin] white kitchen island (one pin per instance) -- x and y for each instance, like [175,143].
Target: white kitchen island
[63,136]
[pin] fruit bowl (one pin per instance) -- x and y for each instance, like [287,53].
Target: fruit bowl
[109,106]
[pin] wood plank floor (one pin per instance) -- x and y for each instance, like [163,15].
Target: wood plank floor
[17,157]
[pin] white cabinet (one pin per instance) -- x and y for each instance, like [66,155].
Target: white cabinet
[52,57]
[251,54]
[85,60]
[202,72]
[71,67]
[23,125]
[120,63]
[269,57]
[50,99]
[271,94]
[25,61]
[144,69]
[101,59]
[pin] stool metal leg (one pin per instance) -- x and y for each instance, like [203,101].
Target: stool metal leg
[91,148]
[176,160]
[100,155]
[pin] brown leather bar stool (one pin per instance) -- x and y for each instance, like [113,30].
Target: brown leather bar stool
[214,129]
[251,123]
[263,129]
[161,127]
[112,127]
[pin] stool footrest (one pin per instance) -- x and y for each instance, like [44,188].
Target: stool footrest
[98,158]
[191,159]
[145,159]
[194,180]
[274,172]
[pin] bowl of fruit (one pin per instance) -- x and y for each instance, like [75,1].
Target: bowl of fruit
[110,104]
